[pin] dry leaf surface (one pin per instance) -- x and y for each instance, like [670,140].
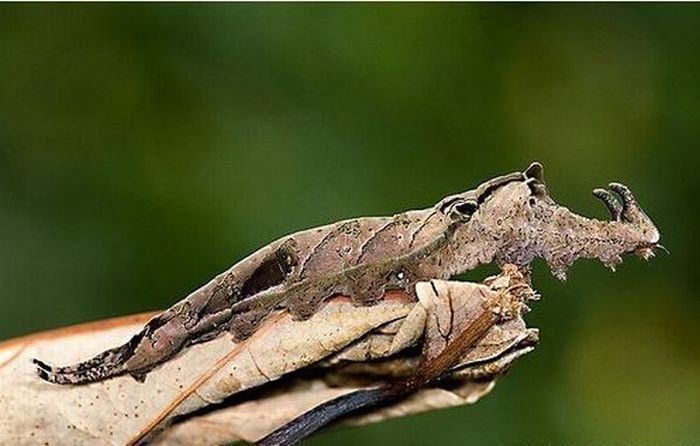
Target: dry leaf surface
[213,380]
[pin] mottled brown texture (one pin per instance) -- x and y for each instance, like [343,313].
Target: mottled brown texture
[509,219]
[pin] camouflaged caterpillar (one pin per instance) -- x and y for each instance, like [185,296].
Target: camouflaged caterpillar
[508,219]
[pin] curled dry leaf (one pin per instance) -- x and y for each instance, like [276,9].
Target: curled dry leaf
[221,391]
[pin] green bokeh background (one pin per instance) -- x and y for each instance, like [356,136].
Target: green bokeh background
[145,148]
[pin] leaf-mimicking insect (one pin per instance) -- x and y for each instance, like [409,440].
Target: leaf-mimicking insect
[510,219]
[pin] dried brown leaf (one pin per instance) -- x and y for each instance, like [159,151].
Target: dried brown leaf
[204,388]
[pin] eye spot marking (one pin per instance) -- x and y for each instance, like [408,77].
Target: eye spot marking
[466,208]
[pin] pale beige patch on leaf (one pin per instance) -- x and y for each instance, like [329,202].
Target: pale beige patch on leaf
[122,411]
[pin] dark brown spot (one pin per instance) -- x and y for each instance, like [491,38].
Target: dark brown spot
[272,271]
[466,208]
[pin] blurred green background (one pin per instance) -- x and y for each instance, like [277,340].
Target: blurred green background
[145,148]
